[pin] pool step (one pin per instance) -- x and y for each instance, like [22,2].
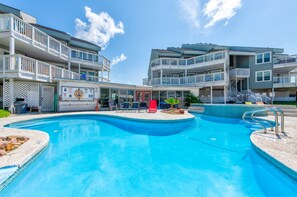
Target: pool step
[196,109]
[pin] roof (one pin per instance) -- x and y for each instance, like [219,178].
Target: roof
[61,35]
[49,28]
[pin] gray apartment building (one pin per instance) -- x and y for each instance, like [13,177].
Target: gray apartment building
[224,74]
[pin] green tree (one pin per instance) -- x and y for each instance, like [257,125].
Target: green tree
[172,101]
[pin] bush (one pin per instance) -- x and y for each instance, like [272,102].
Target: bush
[191,98]
[4,113]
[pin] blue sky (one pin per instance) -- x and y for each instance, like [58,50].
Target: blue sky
[129,29]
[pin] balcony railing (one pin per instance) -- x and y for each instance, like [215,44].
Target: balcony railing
[92,58]
[190,80]
[27,32]
[24,67]
[240,73]
[145,81]
[285,60]
[285,80]
[212,57]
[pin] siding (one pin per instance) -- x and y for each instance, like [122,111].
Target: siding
[259,67]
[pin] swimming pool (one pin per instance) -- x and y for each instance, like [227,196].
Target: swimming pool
[95,156]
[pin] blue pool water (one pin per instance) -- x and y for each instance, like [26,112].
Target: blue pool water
[96,156]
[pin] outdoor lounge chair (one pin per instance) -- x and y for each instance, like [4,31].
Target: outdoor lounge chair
[153,106]
[248,103]
[143,105]
[125,106]
[260,103]
[135,106]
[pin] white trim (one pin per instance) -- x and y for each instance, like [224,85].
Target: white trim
[263,80]
[263,58]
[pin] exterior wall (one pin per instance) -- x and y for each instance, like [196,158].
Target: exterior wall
[259,67]
[77,105]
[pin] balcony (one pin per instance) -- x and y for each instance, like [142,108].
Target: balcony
[200,61]
[240,73]
[213,79]
[285,81]
[19,66]
[28,34]
[90,58]
[284,65]
[145,82]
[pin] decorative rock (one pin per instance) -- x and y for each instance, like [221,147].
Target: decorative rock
[8,147]
[10,143]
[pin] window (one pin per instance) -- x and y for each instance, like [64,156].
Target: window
[263,58]
[263,76]
[266,57]
[259,58]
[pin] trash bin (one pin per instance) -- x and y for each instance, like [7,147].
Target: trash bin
[20,106]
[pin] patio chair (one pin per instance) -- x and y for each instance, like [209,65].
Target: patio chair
[135,106]
[143,106]
[153,106]
[125,107]
[113,106]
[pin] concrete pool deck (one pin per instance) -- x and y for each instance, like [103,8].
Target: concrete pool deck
[282,149]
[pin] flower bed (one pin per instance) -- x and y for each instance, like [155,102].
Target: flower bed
[173,111]
[10,143]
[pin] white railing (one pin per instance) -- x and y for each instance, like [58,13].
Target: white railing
[25,67]
[292,79]
[285,60]
[211,57]
[240,72]
[145,81]
[25,31]
[190,80]
[86,57]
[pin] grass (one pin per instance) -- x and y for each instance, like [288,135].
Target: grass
[285,102]
[4,113]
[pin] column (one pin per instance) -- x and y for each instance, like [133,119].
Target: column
[11,96]
[69,66]
[211,94]
[161,77]
[186,72]
[225,94]
[102,74]
[12,52]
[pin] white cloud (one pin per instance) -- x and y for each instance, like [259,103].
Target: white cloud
[190,11]
[99,29]
[217,10]
[118,59]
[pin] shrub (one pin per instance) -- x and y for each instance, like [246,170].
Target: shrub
[4,113]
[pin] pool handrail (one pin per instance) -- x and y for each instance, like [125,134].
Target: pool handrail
[275,112]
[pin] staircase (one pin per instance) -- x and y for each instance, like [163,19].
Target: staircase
[289,110]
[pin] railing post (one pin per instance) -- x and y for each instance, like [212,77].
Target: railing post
[33,35]
[11,23]
[50,73]
[19,66]
[36,69]
[48,43]
[60,49]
